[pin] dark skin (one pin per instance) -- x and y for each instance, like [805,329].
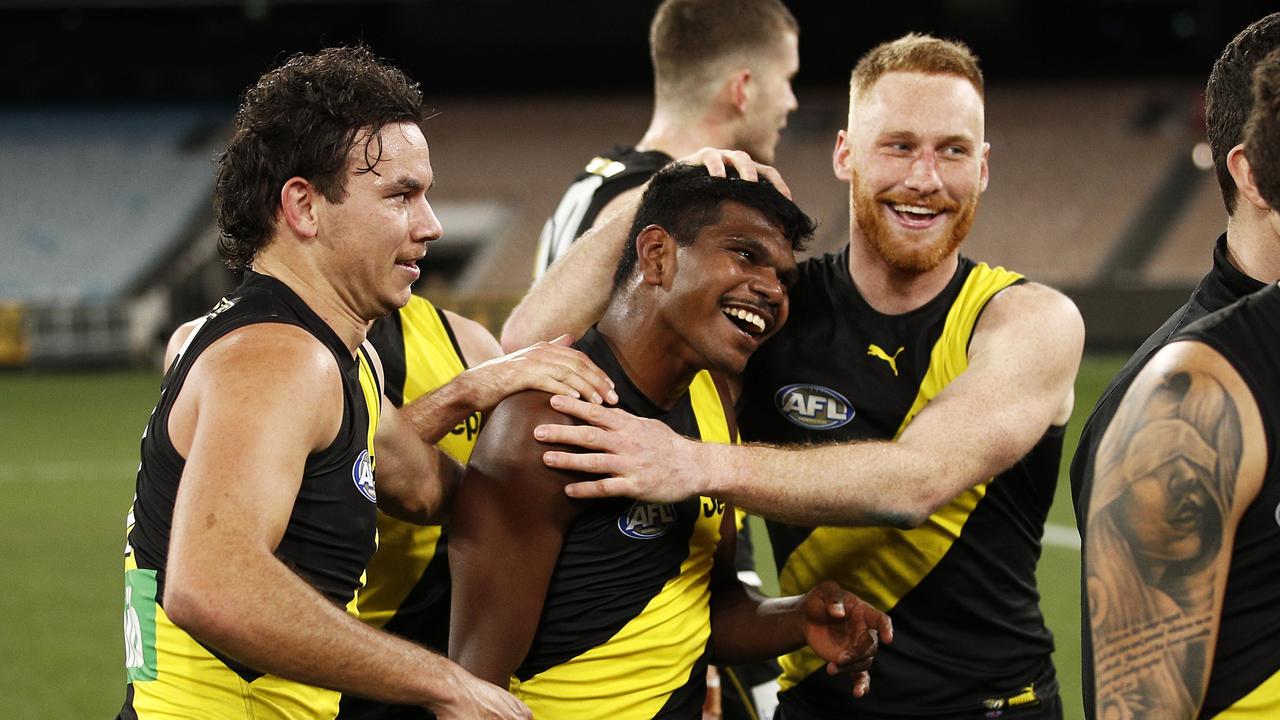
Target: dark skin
[511,512]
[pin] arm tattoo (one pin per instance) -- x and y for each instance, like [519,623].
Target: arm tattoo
[1164,486]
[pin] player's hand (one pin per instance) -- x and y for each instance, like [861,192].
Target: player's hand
[475,699]
[552,367]
[845,631]
[715,160]
[639,457]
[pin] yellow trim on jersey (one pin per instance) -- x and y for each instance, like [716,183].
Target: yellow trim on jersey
[634,673]
[372,400]
[882,564]
[404,549]
[1262,703]
[189,682]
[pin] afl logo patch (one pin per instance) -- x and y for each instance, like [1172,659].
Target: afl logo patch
[646,521]
[813,407]
[362,476]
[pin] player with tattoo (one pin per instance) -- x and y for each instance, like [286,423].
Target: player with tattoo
[1181,581]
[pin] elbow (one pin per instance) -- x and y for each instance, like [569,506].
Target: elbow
[199,613]
[515,331]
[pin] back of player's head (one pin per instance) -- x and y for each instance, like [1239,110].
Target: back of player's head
[684,199]
[305,119]
[916,53]
[1262,131]
[689,40]
[1229,95]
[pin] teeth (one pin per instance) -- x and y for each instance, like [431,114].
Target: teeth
[745,316]
[915,210]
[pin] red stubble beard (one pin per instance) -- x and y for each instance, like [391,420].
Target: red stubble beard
[910,255]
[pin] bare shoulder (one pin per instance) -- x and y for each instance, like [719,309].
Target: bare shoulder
[269,374]
[1037,313]
[178,339]
[507,441]
[475,340]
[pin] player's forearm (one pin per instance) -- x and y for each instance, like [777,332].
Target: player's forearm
[745,626]
[575,291]
[435,414]
[295,633]
[865,483]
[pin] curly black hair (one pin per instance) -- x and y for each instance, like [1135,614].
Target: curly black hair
[304,119]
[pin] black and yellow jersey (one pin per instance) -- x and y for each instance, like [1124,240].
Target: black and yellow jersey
[604,178]
[626,619]
[1244,678]
[407,588]
[969,636]
[328,540]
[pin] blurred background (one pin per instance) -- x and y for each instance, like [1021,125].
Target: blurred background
[112,111]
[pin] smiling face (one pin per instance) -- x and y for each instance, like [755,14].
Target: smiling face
[771,99]
[379,230]
[916,162]
[729,290]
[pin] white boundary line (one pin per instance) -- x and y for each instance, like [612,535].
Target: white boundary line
[1061,536]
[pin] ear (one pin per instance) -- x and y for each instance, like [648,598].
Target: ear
[298,205]
[740,89]
[986,177]
[840,157]
[1242,174]
[656,255]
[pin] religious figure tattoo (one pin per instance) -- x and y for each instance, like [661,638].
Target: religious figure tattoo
[1163,488]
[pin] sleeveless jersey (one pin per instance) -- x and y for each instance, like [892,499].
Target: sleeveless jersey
[603,179]
[328,540]
[1244,680]
[961,588]
[626,621]
[1222,286]
[407,588]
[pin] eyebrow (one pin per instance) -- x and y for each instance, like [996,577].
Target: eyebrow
[405,183]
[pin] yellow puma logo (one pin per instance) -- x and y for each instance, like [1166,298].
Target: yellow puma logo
[876,351]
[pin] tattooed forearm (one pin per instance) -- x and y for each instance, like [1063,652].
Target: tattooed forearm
[1164,484]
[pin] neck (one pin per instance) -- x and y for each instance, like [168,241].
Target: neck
[680,134]
[1253,244]
[648,351]
[892,291]
[321,296]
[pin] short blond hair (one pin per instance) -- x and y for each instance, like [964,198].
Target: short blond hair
[917,53]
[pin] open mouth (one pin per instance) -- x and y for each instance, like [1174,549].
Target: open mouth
[747,321]
[915,216]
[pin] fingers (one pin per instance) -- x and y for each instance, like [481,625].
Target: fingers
[768,172]
[565,340]
[607,418]
[861,684]
[564,366]
[608,487]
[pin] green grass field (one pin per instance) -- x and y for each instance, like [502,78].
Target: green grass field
[68,453]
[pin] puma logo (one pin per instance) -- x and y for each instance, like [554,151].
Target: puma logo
[876,351]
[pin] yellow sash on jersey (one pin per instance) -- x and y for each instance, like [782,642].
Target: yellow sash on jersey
[881,564]
[632,674]
[405,549]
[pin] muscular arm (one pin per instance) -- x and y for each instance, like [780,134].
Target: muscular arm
[573,293]
[238,488]
[1022,363]
[1182,459]
[508,525]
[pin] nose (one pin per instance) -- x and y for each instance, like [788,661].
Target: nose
[426,226]
[792,103]
[765,282]
[923,177]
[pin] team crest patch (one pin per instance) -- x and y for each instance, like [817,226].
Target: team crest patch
[646,521]
[362,476]
[813,407]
